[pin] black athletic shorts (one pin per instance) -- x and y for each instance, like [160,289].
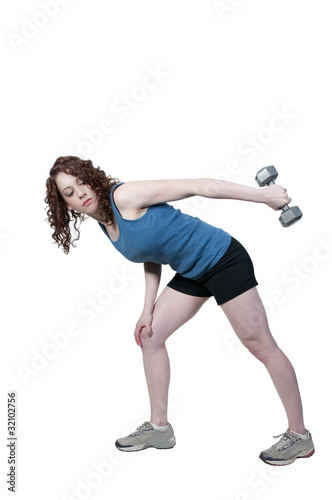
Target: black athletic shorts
[232,275]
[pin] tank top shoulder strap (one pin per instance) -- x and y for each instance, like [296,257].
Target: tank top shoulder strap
[113,205]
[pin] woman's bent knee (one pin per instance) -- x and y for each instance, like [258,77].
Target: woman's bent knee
[262,349]
[151,341]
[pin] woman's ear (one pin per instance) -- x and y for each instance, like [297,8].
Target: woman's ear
[68,207]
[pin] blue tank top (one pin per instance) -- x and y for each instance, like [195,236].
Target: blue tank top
[165,235]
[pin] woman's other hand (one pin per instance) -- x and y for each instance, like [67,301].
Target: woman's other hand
[145,321]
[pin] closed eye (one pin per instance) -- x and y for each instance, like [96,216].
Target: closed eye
[72,192]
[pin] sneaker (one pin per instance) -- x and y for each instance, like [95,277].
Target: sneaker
[146,437]
[288,449]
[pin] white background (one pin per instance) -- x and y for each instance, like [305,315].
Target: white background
[228,69]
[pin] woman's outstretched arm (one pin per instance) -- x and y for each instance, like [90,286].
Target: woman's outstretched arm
[142,194]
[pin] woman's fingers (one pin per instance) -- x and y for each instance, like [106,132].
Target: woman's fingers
[145,321]
[277,196]
[137,335]
[148,330]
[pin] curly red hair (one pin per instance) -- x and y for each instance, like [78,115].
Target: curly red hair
[58,216]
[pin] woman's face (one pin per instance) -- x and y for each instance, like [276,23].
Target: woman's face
[77,195]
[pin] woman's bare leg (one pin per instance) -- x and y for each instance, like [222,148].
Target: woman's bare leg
[247,316]
[171,311]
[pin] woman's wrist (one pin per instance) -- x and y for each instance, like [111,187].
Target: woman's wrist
[148,308]
[260,195]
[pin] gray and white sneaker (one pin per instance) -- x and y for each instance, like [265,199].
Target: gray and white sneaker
[288,449]
[146,437]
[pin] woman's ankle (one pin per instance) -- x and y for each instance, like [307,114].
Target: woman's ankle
[160,422]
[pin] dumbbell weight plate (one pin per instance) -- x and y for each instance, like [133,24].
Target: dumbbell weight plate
[266,175]
[290,216]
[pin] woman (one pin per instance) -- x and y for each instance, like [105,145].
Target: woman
[139,222]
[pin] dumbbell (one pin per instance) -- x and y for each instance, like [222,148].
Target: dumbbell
[266,176]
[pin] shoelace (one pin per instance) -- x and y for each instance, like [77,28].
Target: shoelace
[287,438]
[144,427]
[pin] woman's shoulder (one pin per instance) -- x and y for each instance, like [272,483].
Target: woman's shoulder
[126,211]
[117,197]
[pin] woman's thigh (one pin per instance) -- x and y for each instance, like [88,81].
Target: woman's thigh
[172,310]
[247,315]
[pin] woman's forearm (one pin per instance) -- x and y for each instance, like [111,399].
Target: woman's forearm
[152,279]
[275,196]
[216,188]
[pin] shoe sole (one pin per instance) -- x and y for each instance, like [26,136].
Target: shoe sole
[140,447]
[287,462]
